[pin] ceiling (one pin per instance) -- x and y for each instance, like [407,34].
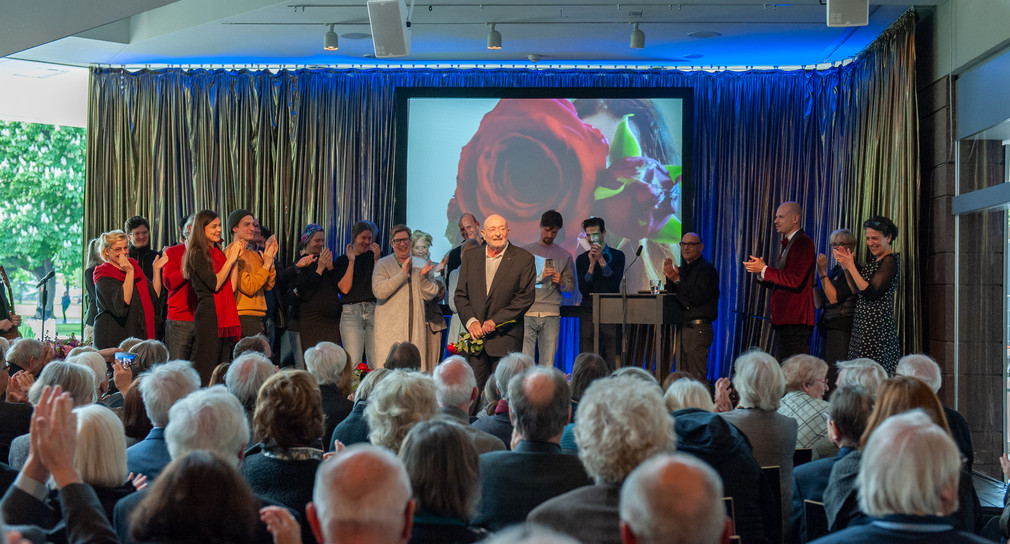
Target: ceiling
[746,33]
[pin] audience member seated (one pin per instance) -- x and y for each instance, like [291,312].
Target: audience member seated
[529,533]
[98,365]
[848,413]
[515,482]
[865,373]
[489,398]
[403,355]
[135,421]
[587,368]
[924,367]
[160,388]
[288,426]
[615,432]
[398,403]
[208,419]
[28,354]
[15,417]
[806,385]
[256,343]
[911,485]
[148,353]
[128,343]
[327,362]
[673,499]
[76,380]
[53,456]
[760,383]
[895,396]
[443,466]
[354,428]
[712,439]
[456,391]
[218,375]
[200,497]
[245,377]
[500,425]
[362,495]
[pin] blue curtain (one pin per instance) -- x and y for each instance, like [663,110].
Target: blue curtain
[317,146]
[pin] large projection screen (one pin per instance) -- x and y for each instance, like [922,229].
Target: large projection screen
[620,154]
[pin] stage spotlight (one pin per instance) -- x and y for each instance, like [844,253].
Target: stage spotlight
[637,38]
[493,38]
[330,40]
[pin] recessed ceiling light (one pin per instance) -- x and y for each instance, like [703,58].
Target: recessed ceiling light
[355,36]
[705,34]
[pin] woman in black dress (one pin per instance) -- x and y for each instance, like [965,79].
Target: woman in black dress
[316,292]
[91,261]
[124,296]
[836,298]
[874,331]
[213,275]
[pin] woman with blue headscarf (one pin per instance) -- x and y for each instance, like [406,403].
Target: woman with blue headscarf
[313,293]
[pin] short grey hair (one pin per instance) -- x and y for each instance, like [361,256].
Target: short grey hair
[688,393]
[759,381]
[78,380]
[398,402]
[368,384]
[100,456]
[453,388]
[246,375]
[326,362]
[207,419]
[913,461]
[539,419]
[923,367]
[23,350]
[863,372]
[94,361]
[508,366]
[163,385]
[617,430]
[149,353]
[674,499]
[802,369]
[365,486]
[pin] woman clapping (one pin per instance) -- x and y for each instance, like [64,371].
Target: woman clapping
[124,296]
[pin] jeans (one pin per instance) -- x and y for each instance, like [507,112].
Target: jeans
[357,321]
[179,339]
[546,330]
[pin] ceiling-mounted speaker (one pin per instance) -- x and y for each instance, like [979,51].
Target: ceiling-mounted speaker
[848,12]
[390,29]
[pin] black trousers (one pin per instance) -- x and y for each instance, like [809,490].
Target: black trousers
[792,340]
[692,350]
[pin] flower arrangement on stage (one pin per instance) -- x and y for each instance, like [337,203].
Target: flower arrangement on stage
[61,347]
[468,345]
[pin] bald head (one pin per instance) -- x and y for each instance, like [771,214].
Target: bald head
[673,499]
[362,495]
[539,403]
[469,227]
[455,384]
[495,231]
[787,217]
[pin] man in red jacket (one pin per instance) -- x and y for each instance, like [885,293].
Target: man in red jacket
[791,281]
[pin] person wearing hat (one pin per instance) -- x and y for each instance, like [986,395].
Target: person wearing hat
[256,273]
[312,293]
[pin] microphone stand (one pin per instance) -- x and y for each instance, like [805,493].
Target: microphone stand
[624,307]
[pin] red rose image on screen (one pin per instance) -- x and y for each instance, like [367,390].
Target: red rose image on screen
[529,156]
[640,197]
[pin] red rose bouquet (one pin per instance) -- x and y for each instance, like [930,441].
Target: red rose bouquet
[468,345]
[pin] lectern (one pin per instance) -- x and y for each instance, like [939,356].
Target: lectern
[640,309]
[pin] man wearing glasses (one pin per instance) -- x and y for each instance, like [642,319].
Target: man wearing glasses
[696,283]
[496,288]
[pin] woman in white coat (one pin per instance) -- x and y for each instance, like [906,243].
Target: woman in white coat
[401,283]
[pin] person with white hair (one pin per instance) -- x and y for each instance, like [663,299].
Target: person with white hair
[29,354]
[363,496]
[515,482]
[910,487]
[456,392]
[97,363]
[398,402]
[329,365]
[806,385]
[500,425]
[615,432]
[245,376]
[760,383]
[865,373]
[925,368]
[160,388]
[673,499]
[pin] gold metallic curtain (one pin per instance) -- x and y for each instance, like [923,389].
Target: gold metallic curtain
[317,146]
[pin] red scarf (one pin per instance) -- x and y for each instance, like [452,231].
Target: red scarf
[109,270]
[228,325]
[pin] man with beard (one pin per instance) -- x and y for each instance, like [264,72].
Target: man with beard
[556,279]
[495,290]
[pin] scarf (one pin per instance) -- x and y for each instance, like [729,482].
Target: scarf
[140,288]
[228,325]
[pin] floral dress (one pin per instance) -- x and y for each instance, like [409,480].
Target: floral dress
[874,331]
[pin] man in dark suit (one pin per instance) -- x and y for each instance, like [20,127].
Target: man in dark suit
[925,368]
[847,416]
[496,286]
[515,482]
[791,281]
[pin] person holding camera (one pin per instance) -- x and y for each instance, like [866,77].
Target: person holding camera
[556,279]
[599,270]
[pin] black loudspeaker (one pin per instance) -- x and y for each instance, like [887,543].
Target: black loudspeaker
[390,33]
[848,12]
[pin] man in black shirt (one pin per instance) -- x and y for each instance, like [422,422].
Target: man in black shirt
[599,270]
[469,229]
[139,233]
[696,284]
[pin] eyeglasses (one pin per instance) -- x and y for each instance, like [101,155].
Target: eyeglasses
[689,244]
[841,244]
[494,230]
[401,240]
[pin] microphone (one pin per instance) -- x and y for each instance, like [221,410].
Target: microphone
[638,253]
[48,277]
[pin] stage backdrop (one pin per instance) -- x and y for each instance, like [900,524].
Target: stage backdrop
[317,146]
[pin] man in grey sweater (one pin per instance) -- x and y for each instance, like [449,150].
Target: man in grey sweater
[555,277]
